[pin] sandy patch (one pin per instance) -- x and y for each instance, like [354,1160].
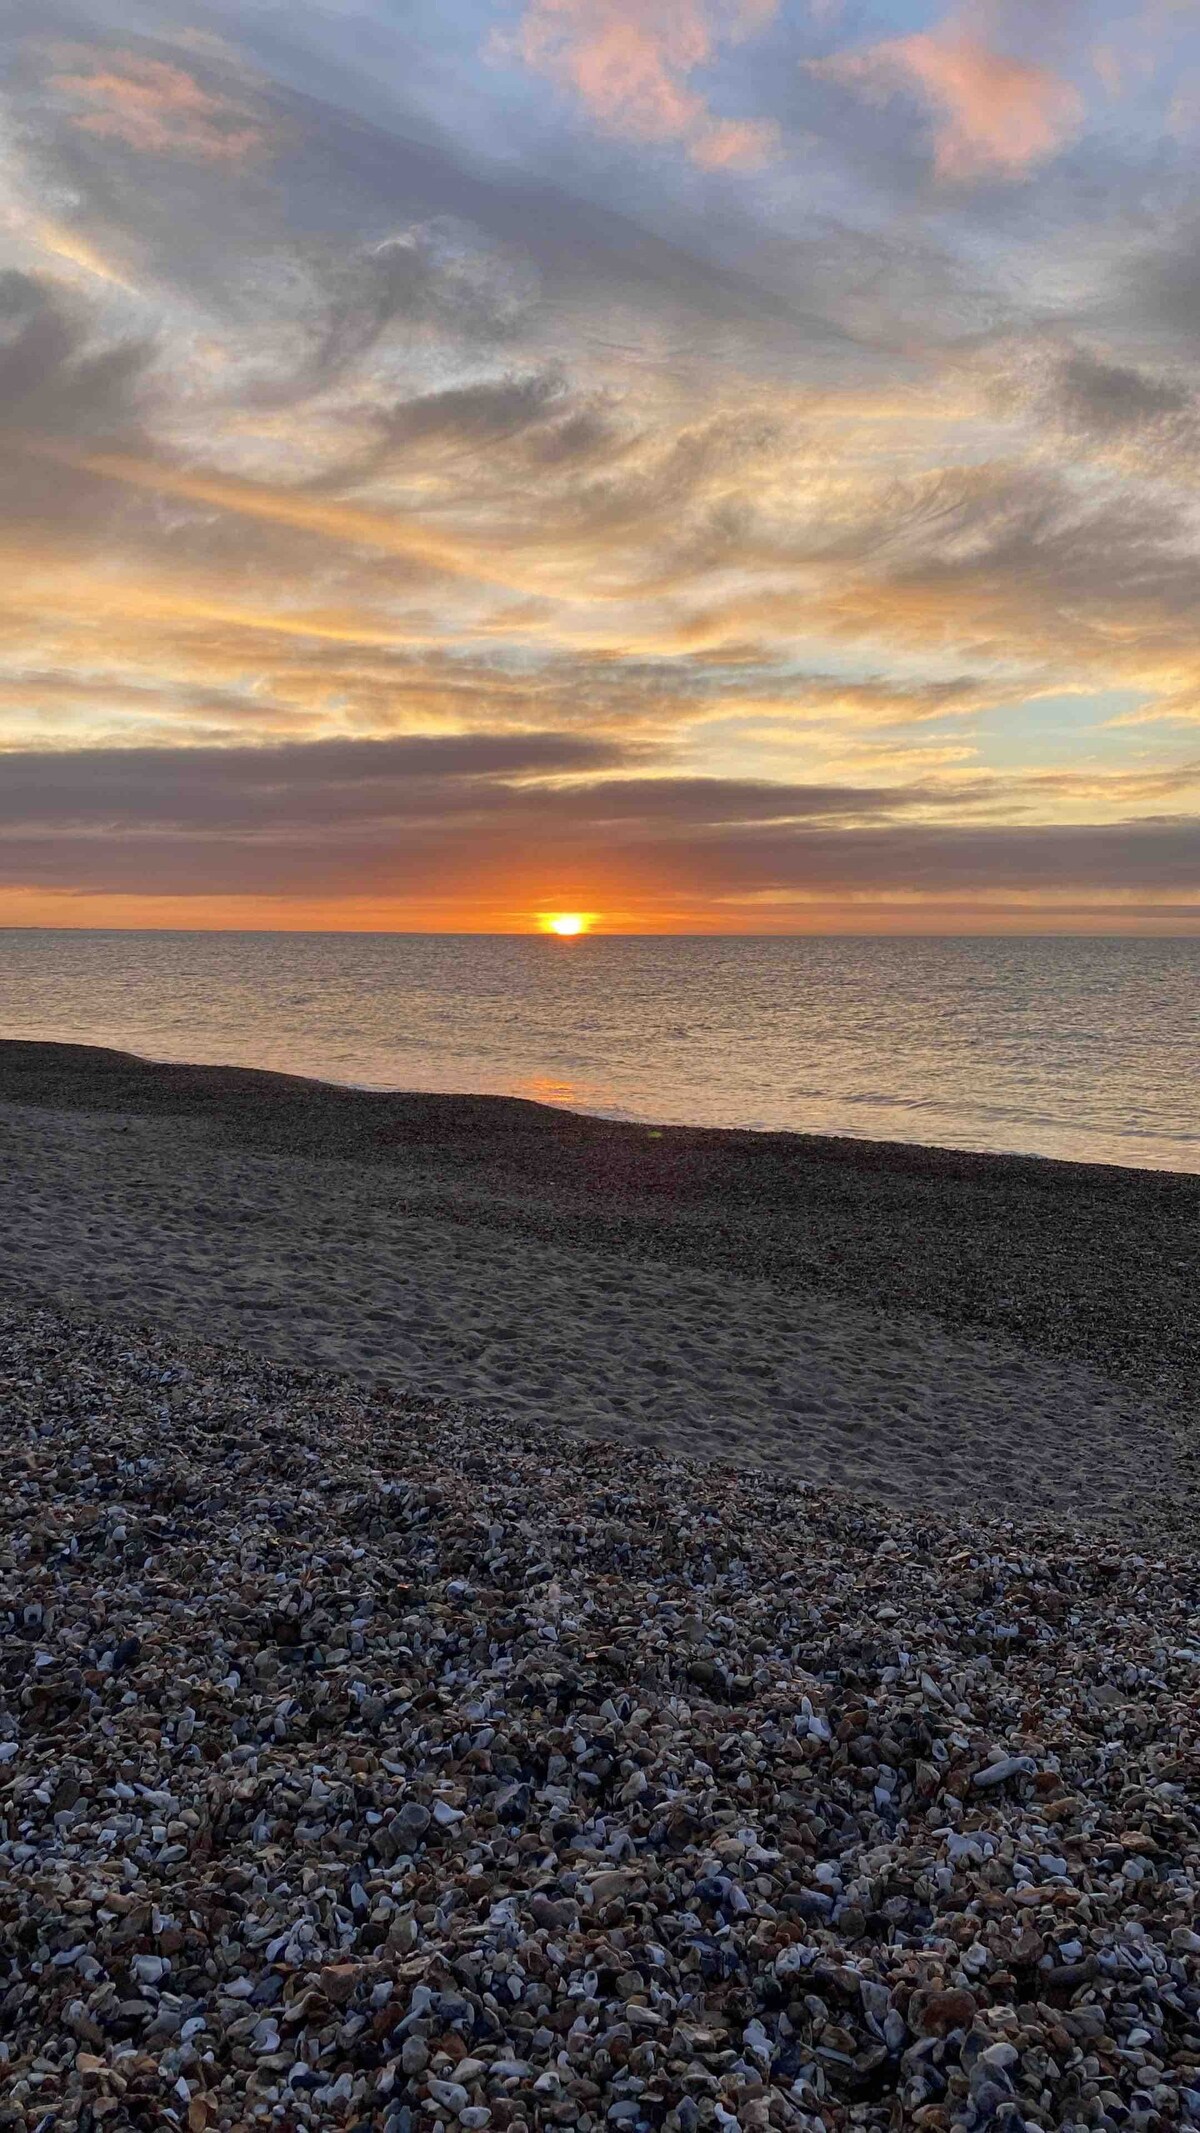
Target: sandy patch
[331,1263]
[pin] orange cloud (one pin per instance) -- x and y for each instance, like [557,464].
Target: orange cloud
[161,110]
[996,115]
[630,61]
[392,533]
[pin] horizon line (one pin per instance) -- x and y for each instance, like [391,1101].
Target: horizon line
[626,933]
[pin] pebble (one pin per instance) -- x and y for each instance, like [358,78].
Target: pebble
[371,1763]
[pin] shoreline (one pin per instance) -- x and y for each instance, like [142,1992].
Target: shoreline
[104,1077]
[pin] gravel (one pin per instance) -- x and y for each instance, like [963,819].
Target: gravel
[374,1763]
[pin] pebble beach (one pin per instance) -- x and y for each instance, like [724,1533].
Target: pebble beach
[376,1758]
[942,1330]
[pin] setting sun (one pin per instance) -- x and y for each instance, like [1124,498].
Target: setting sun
[567,923]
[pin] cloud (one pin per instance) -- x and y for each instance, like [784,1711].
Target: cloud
[449,426]
[50,377]
[71,390]
[489,412]
[631,63]
[1159,282]
[397,534]
[1132,417]
[994,116]
[60,242]
[434,277]
[328,783]
[1110,399]
[159,110]
[487,816]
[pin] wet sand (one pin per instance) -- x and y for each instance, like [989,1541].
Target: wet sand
[934,1328]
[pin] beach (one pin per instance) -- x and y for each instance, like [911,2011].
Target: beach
[941,1329]
[367,1762]
[512,1620]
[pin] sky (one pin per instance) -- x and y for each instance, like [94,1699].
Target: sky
[718,465]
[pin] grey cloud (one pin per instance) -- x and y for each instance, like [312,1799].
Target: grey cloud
[426,853]
[61,385]
[547,784]
[417,279]
[495,408]
[579,436]
[964,861]
[1162,284]
[488,413]
[1097,401]
[547,779]
[53,378]
[436,278]
[1107,398]
[330,782]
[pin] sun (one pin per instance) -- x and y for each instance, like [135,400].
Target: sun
[567,923]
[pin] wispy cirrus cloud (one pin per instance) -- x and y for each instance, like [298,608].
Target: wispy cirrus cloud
[633,63]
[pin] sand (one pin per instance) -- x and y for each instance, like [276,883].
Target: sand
[418,1266]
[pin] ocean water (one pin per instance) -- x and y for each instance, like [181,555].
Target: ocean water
[1078,1048]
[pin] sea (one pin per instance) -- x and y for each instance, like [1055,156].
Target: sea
[1078,1048]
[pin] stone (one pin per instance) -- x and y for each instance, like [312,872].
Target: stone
[467,1773]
